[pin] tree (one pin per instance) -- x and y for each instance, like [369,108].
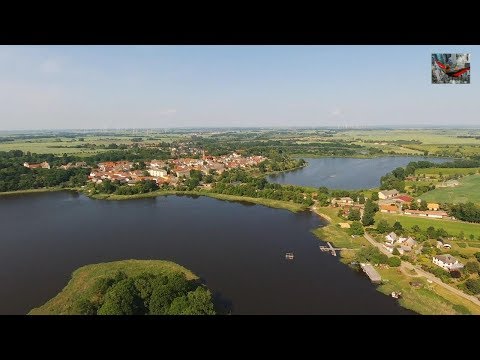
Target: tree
[375,196]
[394,261]
[472,237]
[431,233]
[354,215]
[423,205]
[416,229]
[472,267]
[323,190]
[361,199]
[397,227]
[395,251]
[323,199]
[369,213]
[84,307]
[461,235]
[356,228]
[383,227]
[477,255]
[122,299]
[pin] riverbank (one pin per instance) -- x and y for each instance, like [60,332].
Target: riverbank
[277,204]
[417,293]
[31,191]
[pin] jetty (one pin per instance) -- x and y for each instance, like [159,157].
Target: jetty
[371,273]
[331,249]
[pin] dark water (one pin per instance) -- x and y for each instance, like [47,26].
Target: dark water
[238,249]
[345,173]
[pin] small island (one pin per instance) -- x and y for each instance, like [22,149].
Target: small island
[131,287]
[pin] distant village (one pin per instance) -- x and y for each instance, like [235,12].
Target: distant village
[170,171]
[161,171]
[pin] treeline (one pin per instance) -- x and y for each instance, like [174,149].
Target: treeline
[465,212]
[263,147]
[14,176]
[145,294]
[239,182]
[137,154]
[114,187]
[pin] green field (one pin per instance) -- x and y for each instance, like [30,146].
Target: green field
[451,226]
[85,277]
[468,190]
[446,171]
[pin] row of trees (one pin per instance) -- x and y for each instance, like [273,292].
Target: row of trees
[465,212]
[239,182]
[146,294]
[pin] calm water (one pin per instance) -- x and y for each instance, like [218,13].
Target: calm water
[345,173]
[237,249]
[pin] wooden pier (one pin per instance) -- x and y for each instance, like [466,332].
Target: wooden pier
[371,273]
[329,248]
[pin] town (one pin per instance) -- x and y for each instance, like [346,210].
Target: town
[169,171]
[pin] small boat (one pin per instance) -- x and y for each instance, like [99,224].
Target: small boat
[289,256]
[396,295]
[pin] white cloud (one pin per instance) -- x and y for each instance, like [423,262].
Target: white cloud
[51,66]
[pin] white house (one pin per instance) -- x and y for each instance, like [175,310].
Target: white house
[391,238]
[447,262]
[387,194]
[157,172]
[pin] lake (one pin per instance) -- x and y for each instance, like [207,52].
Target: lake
[345,173]
[238,250]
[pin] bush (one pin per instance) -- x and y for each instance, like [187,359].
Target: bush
[473,286]
[462,245]
[394,261]
[456,274]
[472,267]
[356,228]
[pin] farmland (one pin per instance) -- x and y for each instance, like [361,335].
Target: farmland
[451,226]
[468,190]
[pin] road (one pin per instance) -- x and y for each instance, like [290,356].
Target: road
[407,265]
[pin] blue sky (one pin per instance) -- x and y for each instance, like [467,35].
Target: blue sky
[104,87]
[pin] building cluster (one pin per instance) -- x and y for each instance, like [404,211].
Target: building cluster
[393,202]
[170,171]
[347,204]
[402,244]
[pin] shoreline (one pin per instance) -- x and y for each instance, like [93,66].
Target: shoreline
[329,232]
[434,300]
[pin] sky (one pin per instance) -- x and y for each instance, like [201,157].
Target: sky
[111,87]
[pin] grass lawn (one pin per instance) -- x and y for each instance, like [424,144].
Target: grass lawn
[451,226]
[337,236]
[83,279]
[468,190]
[429,299]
